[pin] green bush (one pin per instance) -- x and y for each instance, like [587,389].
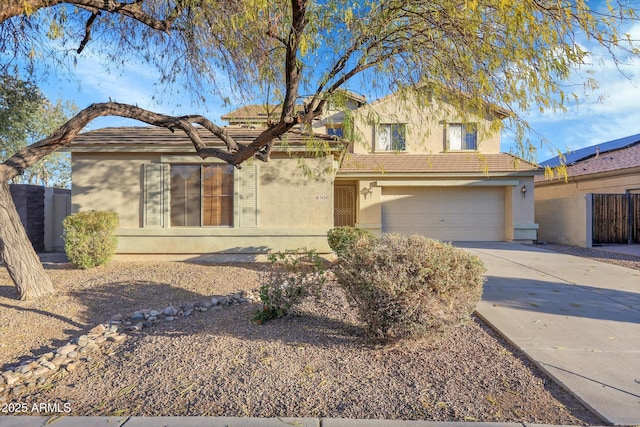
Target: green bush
[410,286]
[89,238]
[341,238]
[292,275]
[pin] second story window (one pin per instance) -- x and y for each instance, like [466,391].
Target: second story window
[335,130]
[391,137]
[462,136]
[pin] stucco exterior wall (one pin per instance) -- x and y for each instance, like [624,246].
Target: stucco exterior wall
[425,126]
[109,181]
[288,198]
[613,183]
[565,220]
[294,205]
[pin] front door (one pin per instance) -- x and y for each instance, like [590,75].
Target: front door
[344,206]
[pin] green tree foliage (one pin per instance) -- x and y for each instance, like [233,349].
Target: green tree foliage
[26,116]
[513,53]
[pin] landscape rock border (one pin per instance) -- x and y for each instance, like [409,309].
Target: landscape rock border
[40,371]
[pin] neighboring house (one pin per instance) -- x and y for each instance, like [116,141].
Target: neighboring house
[409,171]
[568,212]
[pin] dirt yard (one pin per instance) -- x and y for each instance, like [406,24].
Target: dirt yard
[315,363]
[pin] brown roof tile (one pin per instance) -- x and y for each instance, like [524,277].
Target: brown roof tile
[389,163]
[257,112]
[158,137]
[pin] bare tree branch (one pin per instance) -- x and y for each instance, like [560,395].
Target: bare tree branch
[87,31]
[11,8]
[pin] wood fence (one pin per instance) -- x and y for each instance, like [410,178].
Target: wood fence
[616,218]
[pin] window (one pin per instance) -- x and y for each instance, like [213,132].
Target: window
[462,136]
[201,195]
[391,137]
[335,130]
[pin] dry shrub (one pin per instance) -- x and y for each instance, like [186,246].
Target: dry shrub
[292,275]
[341,238]
[89,238]
[410,286]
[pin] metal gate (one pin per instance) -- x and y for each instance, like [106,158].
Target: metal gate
[616,218]
[344,206]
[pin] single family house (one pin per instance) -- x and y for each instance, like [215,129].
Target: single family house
[407,171]
[598,201]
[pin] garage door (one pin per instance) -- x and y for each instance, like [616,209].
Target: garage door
[445,213]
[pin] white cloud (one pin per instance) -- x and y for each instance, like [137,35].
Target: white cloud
[606,113]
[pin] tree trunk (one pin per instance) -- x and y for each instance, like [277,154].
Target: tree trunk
[16,252]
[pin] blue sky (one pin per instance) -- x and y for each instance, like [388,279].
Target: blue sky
[609,112]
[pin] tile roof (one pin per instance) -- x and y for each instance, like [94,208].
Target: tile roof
[162,137]
[258,112]
[591,151]
[623,158]
[433,163]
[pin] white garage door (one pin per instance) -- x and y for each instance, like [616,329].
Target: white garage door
[445,213]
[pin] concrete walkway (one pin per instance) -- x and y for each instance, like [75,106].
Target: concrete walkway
[577,319]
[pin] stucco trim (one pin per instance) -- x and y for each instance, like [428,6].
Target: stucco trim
[448,183]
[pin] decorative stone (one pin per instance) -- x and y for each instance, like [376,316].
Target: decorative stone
[24,369]
[41,371]
[170,311]
[137,317]
[11,378]
[148,324]
[67,349]
[152,319]
[83,340]
[116,317]
[117,338]
[98,330]
[207,304]
[154,313]
[169,319]
[215,301]
[187,312]
[60,360]
[50,366]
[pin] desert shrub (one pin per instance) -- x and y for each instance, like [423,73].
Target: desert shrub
[89,237]
[292,275]
[410,286]
[341,238]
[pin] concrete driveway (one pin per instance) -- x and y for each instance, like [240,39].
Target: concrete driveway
[577,319]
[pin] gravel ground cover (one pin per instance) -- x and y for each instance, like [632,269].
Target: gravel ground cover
[313,363]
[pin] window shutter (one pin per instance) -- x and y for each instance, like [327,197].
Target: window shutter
[248,197]
[155,194]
